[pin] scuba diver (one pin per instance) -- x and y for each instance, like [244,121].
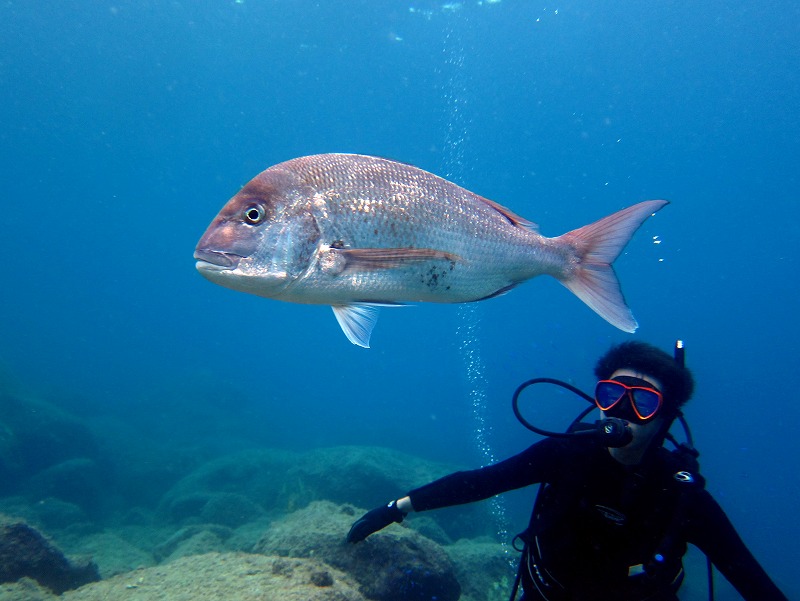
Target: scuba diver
[615,508]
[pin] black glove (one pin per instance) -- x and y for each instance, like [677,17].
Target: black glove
[374,520]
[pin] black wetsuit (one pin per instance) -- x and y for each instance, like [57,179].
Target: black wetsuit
[600,524]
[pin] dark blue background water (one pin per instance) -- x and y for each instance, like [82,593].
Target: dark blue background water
[127,125]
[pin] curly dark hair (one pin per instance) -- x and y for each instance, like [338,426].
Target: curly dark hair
[677,381]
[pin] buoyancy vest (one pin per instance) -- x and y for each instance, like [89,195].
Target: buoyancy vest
[602,531]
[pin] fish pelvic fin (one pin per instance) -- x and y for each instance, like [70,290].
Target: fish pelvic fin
[598,245]
[357,320]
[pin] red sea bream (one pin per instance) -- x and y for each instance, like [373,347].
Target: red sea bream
[359,232]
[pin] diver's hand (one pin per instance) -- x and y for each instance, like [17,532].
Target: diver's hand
[374,520]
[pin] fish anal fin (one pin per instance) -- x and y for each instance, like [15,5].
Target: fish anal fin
[388,258]
[500,292]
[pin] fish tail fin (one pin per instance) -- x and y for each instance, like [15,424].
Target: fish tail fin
[598,245]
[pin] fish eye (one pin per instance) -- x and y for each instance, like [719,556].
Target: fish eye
[254,214]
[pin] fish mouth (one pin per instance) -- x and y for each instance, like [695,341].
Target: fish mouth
[215,260]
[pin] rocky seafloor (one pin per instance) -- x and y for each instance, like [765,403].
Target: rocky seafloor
[82,519]
[260,525]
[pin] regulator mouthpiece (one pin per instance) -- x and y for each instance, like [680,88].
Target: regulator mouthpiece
[614,432]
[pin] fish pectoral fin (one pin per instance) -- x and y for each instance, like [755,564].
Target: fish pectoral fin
[389,258]
[357,321]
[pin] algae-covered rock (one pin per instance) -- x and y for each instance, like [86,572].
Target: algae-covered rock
[48,514]
[224,508]
[250,485]
[25,552]
[363,476]
[35,435]
[284,481]
[485,568]
[78,481]
[397,564]
[203,542]
[258,476]
[230,509]
[113,554]
[25,589]
[196,539]
[228,576]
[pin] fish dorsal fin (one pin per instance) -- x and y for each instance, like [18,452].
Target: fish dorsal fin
[512,217]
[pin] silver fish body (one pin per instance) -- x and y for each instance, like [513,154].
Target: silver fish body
[356,232]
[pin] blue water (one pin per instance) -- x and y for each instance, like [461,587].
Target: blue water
[127,125]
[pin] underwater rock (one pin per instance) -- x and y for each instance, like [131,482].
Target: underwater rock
[230,509]
[35,435]
[278,482]
[428,527]
[288,481]
[363,476]
[396,564]
[224,508]
[246,536]
[25,589]
[54,514]
[113,554]
[371,476]
[24,551]
[257,475]
[485,570]
[193,537]
[77,481]
[201,543]
[48,514]
[183,509]
[136,516]
[228,576]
